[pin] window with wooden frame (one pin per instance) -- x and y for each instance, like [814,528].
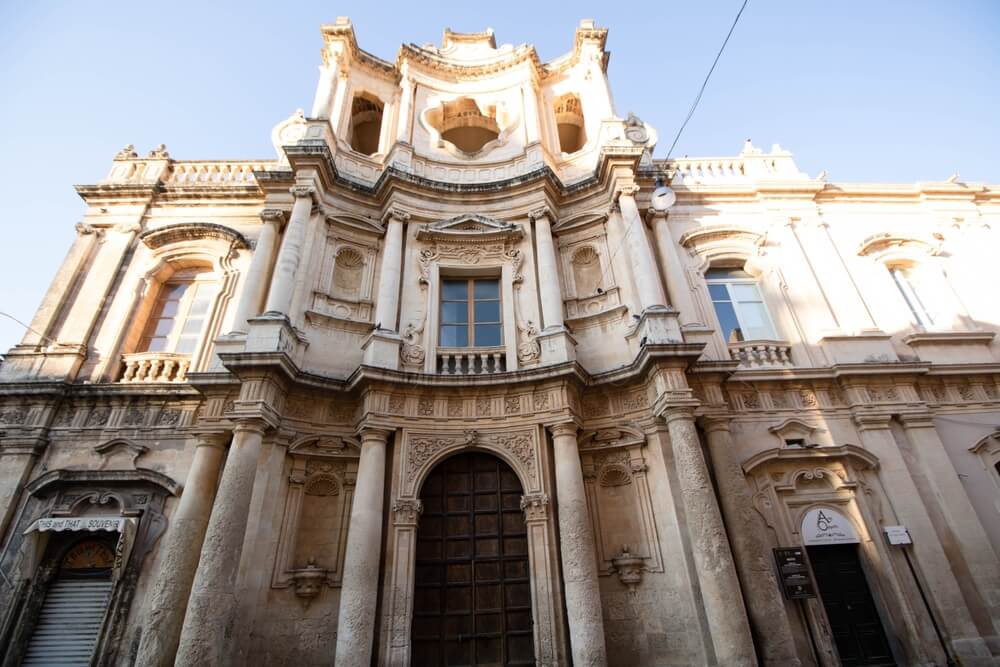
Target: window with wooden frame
[739,305]
[179,315]
[471,313]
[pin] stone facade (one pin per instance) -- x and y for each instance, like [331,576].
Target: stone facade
[245,372]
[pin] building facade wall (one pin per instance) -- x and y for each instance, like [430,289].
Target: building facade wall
[661,458]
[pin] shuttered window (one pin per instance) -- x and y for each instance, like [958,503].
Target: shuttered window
[70,622]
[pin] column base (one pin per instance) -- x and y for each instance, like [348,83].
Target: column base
[656,326]
[557,345]
[381,349]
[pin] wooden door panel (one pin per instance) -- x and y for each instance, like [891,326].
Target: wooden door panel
[472,603]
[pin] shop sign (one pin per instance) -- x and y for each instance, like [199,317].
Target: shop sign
[823,525]
[794,574]
[897,535]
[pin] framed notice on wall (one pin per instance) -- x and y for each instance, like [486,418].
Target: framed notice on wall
[794,575]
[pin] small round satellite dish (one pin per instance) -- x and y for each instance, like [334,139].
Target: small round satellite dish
[663,198]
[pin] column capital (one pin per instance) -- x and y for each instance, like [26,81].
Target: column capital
[273,215]
[394,213]
[626,190]
[407,511]
[714,424]
[563,428]
[213,439]
[652,215]
[675,412]
[535,506]
[251,425]
[375,434]
[872,422]
[540,212]
[302,191]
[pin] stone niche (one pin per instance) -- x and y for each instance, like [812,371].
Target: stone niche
[314,524]
[621,509]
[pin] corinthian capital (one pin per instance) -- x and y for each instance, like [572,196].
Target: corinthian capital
[275,215]
[630,190]
[393,213]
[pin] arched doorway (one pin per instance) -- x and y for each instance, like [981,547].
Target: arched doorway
[72,614]
[472,597]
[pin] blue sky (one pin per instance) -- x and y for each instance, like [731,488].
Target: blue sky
[896,91]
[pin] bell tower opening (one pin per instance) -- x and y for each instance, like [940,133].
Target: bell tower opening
[366,124]
[569,121]
[472,598]
[465,125]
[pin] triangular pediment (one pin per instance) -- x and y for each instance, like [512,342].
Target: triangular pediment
[470,226]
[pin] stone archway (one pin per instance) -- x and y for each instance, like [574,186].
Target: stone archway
[472,592]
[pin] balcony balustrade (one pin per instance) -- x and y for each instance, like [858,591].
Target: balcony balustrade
[471,360]
[155,367]
[761,353]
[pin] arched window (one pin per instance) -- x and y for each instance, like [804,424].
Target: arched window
[924,293]
[569,122]
[739,305]
[178,316]
[366,124]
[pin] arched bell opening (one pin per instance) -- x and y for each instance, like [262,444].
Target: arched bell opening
[570,123]
[366,124]
[472,589]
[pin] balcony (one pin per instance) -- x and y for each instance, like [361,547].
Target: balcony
[471,360]
[155,367]
[761,353]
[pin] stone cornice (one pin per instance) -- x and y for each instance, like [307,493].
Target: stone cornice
[191,231]
[812,455]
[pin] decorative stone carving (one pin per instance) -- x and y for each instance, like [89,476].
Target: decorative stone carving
[16,416]
[160,152]
[407,511]
[126,153]
[511,405]
[425,406]
[411,351]
[629,568]
[535,506]
[309,582]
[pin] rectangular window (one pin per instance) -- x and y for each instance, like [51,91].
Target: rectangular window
[922,293]
[470,313]
[178,317]
[739,305]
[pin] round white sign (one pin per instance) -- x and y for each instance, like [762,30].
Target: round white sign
[823,525]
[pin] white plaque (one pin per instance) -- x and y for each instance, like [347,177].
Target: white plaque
[823,525]
[897,535]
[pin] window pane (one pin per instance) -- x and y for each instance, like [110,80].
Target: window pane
[457,290]
[723,272]
[487,289]
[454,312]
[452,336]
[745,292]
[169,309]
[728,321]
[158,344]
[164,326]
[175,290]
[718,292]
[755,323]
[487,311]
[488,335]
[193,326]
[186,344]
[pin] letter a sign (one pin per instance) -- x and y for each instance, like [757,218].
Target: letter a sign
[823,525]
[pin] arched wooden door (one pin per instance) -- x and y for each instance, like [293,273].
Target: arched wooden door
[472,602]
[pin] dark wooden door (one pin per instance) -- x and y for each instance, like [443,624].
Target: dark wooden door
[856,627]
[472,602]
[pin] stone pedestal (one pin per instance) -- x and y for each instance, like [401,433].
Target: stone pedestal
[381,349]
[753,558]
[556,346]
[178,555]
[211,609]
[656,326]
[720,588]
[579,564]
[359,590]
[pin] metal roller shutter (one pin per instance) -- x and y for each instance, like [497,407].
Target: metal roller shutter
[70,621]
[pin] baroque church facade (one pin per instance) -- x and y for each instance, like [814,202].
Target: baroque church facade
[455,379]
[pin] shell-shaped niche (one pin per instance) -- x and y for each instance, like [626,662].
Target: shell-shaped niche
[467,127]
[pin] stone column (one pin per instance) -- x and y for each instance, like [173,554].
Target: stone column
[178,555]
[392,264]
[283,283]
[325,90]
[753,560]
[405,108]
[211,607]
[548,270]
[647,276]
[255,282]
[579,563]
[673,268]
[532,121]
[359,589]
[720,588]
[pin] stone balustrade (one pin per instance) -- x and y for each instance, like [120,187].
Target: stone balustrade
[155,367]
[708,170]
[761,353]
[471,361]
[214,172]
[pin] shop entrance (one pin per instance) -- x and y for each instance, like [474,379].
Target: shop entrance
[472,598]
[854,620]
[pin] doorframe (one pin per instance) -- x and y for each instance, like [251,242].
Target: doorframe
[524,450]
